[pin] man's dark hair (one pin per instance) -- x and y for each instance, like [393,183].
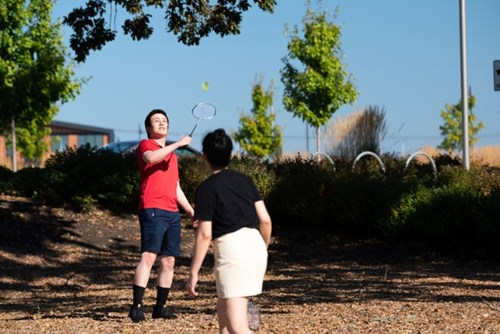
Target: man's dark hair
[147,121]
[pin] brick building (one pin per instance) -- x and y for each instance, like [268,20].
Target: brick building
[63,135]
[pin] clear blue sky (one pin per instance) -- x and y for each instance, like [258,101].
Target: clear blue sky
[404,56]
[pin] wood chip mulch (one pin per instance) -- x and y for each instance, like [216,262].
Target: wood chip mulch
[66,272]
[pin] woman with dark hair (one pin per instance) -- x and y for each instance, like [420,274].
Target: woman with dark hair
[230,210]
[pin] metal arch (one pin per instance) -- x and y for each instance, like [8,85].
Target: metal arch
[362,154]
[324,155]
[425,155]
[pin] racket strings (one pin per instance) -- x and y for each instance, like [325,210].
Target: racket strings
[204,111]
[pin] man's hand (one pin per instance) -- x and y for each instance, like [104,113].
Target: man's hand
[185,141]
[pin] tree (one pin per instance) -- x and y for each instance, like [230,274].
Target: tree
[452,129]
[323,86]
[34,75]
[257,134]
[190,21]
[360,131]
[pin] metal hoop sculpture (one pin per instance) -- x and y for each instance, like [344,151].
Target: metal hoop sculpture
[362,154]
[324,155]
[425,155]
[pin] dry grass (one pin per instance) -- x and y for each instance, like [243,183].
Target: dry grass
[486,155]
[359,131]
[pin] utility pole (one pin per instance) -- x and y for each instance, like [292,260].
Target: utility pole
[307,137]
[14,157]
[139,131]
[465,98]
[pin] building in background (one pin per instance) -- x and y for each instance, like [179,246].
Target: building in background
[63,135]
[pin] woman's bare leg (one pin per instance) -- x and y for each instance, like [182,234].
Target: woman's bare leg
[232,316]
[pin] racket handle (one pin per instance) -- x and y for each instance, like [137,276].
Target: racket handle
[191,134]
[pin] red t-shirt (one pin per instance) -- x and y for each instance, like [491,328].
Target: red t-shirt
[158,181]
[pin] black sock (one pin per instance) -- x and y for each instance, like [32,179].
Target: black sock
[161,296]
[138,294]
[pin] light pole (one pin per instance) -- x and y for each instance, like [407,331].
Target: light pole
[465,97]
[14,157]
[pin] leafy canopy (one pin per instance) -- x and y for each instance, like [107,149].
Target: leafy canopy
[316,83]
[190,21]
[257,134]
[452,131]
[33,71]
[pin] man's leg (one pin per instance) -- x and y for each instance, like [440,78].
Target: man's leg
[166,271]
[170,248]
[165,279]
[143,269]
[141,277]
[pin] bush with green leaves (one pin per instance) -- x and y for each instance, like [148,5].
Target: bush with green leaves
[192,171]
[458,214]
[312,201]
[29,181]
[6,177]
[259,170]
[86,176]
[297,200]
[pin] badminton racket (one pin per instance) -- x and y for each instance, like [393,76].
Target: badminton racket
[202,111]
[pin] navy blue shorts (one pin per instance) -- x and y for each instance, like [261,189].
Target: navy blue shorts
[160,231]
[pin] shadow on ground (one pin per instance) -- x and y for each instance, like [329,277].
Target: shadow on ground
[57,264]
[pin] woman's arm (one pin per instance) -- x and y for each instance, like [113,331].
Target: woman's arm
[201,243]
[265,224]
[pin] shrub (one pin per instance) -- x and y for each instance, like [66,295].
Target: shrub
[192,172]
[258,170]
[456,215]
[29,181]
[76,175]
[308,201]
[295,202]
[6,177]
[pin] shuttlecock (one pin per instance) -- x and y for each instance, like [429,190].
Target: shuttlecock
[204,86]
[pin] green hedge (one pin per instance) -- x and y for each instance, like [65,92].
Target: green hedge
[460,213]
[455,211]
[6,180]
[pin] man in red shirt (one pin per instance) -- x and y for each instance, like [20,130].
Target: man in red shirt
[158,213]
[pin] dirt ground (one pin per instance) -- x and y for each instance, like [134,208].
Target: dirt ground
[62,272]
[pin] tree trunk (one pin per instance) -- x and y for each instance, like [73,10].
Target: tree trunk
[318,146]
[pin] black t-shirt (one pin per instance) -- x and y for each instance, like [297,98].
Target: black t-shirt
[228,200]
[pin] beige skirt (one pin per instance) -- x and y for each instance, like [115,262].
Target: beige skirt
[240,263]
